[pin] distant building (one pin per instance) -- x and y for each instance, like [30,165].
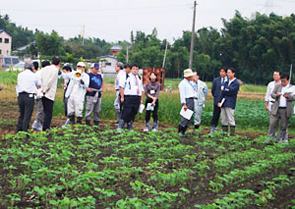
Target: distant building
[116,49]
[5,43]
[108,65]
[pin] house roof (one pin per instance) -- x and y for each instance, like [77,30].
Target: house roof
[3,30]
[116,47]
[107,56]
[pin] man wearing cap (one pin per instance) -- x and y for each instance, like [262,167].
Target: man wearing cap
[93,95]
[117,104]
[187,96]
[27,84]
[49,76]
[76,93]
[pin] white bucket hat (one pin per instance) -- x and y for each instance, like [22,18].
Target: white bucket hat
[188,73]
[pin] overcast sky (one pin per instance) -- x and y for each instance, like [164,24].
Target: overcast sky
[113,20]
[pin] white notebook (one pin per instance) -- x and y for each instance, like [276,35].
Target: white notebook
[149,107]
[186,114]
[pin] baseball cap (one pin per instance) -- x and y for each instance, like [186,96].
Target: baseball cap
[95,65]
[81,64]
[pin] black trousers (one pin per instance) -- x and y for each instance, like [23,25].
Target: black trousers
[26,106]
[155,111]
[48,109]
[216,114]
[130,108]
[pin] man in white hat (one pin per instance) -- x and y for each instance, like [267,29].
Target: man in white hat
[76,93]
[187,96]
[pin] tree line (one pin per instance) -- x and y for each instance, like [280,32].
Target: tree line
[255,46]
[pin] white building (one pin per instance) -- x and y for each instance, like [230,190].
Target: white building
[5,43]
[108,66]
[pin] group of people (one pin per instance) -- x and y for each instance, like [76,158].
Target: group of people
[129,96]
[85,89]
[193,93]
[278,101]
[79,87]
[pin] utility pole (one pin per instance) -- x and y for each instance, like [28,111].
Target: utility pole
[83,31]
[193,38]
[163,66]
[127,53]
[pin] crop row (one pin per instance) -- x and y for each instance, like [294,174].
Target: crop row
[83,167]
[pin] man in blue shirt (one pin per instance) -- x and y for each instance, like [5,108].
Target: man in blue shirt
[93,96]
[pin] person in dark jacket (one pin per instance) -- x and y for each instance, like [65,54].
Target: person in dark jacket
[217,87]
[227,101]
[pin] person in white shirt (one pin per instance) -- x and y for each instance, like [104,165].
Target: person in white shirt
[76,93]
[187,96]
[281,110]
[131,97]
[117,104]
[269,101]
[27,84]
[270,87]
[201,90]
[49,77]
[39,119]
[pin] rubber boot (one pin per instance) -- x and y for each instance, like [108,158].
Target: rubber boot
[225,130]
[184,135]
[79,120]
[121,126]
[88,122]
[96,123]
[213,129]
[147,126]
[72,119]
[179,128]
[118,117]
[232,131]
[129,125]
[155,126]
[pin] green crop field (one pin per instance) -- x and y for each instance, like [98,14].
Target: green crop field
[95,167]
[86,167]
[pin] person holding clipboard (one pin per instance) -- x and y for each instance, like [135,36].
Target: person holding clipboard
[227,101]
[187,96]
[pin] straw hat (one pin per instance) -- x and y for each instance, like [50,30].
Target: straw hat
[188,73]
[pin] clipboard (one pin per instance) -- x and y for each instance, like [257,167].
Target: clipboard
[186,114]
